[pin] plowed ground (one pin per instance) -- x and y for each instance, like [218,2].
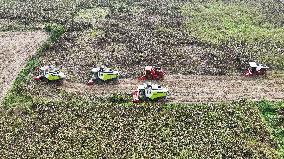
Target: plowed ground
[15,50]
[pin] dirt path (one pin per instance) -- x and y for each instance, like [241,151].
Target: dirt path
[192,89]
[15,50]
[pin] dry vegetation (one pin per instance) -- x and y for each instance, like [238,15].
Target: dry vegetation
[75,121]
[16,49]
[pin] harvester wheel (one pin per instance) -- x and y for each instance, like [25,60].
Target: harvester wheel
[146,99]
[43,79]
[116,81]
[59,82]
[149,77]
[99,81]
[162,100]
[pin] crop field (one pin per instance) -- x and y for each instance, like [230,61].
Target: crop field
[103,130]
[212,109]
[16,49]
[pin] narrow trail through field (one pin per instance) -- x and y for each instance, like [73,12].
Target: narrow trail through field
[15,50]
[195,89]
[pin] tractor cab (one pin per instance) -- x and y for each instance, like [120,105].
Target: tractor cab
[256,69]
[153,68]
[45,69]
[152,73]
[148,70]
[103,73]
[102,68]
[158,68]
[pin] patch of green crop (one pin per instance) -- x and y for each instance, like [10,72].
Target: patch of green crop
[248,25]
[273,112]
[18,93]
[218,23]
[91,15]
[95,33]
[55,30]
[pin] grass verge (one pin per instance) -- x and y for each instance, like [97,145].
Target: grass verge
[18,93]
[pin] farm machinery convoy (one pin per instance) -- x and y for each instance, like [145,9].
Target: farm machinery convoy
[147,91]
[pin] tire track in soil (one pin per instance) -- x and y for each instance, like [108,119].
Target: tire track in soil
[195,88]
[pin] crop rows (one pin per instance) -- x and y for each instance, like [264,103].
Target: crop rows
[74,120]
[103,130]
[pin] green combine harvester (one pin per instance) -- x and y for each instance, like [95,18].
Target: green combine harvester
[103,74]
[50,73]
[149,92]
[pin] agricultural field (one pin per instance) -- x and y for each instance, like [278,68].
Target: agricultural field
[213,111]
[16,49]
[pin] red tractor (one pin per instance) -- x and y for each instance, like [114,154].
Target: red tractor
[153,73]
[256,69]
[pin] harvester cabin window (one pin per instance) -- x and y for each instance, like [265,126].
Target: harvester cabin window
[142,92]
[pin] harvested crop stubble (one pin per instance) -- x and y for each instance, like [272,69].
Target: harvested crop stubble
[182,89]
[129,41]
[15,49]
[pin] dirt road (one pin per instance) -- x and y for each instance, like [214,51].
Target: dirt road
[15,50]
[193,88]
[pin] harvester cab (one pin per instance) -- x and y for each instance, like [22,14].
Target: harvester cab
[49,73]
[103,74]
[149,92]
[256,69]
[153,73]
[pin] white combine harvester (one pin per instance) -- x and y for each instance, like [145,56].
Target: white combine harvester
[149,92]
[256,69]
[103,74]
[49,73]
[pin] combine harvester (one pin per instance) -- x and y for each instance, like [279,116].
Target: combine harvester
[152,73]
[50,73]
[149,92]
[256,69]
[103,74]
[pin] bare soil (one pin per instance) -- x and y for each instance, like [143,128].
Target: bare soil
[15,49]
[195,89]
